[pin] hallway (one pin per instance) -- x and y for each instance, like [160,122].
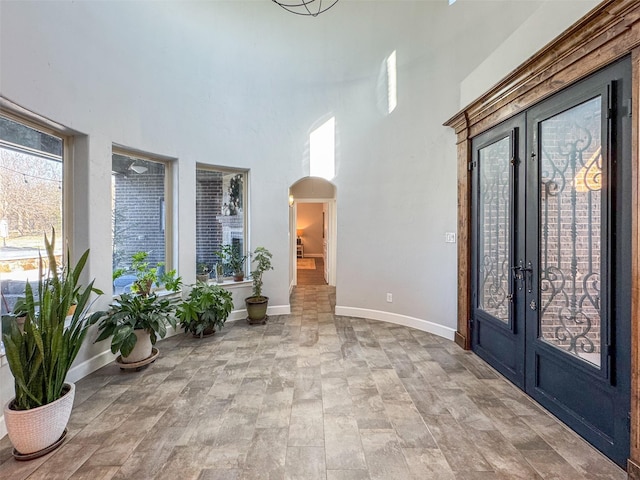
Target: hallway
[311,276]
[308,396]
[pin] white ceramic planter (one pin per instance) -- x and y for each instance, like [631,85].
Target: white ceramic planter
[38,428]
[142,350]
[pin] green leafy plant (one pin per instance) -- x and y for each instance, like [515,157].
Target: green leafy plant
[148,275]
[202,269]
[208,306]
[136,312]
[41,354]
[141,309]
[262,259]
[232,256]
[235,194]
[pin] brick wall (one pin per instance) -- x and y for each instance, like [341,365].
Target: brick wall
[208,208]
[138,223]
[215,225]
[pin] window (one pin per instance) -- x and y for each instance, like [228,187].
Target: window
[322,150]
[31,203]
[140,217]
[220,214]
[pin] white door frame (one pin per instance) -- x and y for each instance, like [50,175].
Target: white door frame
[332,236]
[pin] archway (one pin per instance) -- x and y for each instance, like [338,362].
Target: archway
[316,196]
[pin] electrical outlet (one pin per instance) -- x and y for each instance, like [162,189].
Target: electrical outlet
[389,297]
[450,237]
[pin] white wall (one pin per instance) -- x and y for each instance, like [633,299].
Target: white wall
[242,84]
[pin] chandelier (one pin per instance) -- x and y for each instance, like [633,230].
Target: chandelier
[311,8]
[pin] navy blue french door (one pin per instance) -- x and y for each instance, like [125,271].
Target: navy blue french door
[551,247]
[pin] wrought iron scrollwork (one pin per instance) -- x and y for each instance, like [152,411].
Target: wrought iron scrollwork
[494,223]
[570,199]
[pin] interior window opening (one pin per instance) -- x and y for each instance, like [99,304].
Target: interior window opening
[221,201]
[140,216]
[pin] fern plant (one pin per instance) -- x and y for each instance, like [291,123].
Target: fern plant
[41,354]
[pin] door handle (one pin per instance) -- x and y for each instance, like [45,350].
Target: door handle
[529,272]
[519,271]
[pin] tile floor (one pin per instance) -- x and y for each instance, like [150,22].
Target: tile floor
[311,396]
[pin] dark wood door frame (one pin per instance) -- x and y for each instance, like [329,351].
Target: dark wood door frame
[609,32]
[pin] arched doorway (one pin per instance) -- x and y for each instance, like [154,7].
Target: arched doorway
[312,227]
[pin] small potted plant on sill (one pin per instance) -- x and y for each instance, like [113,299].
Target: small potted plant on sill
[232,256]
[136,320]
[206,308]
[257,303]
[41,354]
[202,272]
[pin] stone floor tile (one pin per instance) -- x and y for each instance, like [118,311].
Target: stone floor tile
[342,443]
[311,395]
[305,463]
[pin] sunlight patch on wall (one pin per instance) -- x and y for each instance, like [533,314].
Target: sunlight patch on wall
[392,88]
[322,152]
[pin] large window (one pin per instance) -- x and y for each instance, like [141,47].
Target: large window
[140,212]
[31,203]
[220,214]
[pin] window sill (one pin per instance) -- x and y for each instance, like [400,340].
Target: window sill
[231,283]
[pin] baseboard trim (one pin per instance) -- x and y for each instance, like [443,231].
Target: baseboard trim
[417,323]
[461,341]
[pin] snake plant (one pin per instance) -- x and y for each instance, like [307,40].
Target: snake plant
[40,355]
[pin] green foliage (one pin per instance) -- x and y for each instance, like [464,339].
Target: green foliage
[147,275]
[141,309]
[135,312]
[235,194]
[233,257]
[207,307]
[41,355]
[262,258]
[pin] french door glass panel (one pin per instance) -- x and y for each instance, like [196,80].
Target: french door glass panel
[494,219]
[570,231]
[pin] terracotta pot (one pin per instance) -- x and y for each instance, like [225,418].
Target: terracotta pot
[238,276]
[142,350]
[38,428]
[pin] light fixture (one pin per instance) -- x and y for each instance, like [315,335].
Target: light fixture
[299,232]
[138,168]
[311,8]
[291,200]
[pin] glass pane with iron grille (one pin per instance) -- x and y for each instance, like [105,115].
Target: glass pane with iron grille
[494,231]
[570,230]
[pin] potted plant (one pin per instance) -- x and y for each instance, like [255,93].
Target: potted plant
[208,306]
[137,319]
[257,303]
[232,256]
[202,272]
[40,355]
